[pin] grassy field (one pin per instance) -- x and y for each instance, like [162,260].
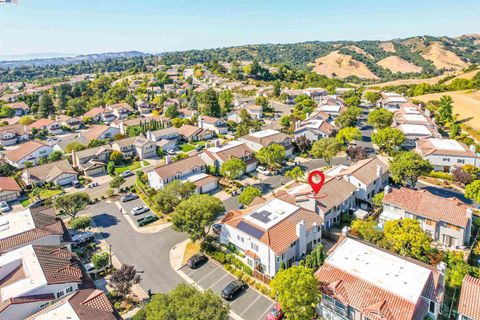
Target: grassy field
[186,147]
[44,194]
[465,103]
[134,166]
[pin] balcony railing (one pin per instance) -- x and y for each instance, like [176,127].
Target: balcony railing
[338,310]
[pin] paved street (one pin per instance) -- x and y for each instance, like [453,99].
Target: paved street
[251,305]
[366,129]
[149,253]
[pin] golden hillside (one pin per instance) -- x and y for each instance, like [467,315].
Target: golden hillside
[398,65]
[340,65]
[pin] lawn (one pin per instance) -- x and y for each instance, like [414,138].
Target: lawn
[190,250]
[199,143]
[186,147]
[134,166]
[44,194]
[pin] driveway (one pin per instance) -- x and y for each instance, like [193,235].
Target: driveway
[251,305]
[149,253]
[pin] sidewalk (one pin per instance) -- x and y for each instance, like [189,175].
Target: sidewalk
[147,229]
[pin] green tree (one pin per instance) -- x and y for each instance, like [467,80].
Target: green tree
[348,118]
[326,148]
[297,291]
[277,89]
[380,118]
[457,269]
[116,157]
[74,146]
[315,259]
[172,194]
[367,230]
[196,214]
[348,134]
[6,112]
[117,182]
[76,107]
[233,168]
[26,120]
[248,194]
[472,191]
[406,237]
[372,97]
[211,107]
[407,167]
[80,223]
[185,302]
[295,174]
[388,139]
[225,100]
[71,204]
[272,155]
[101,260]
[285,122]
[45,106]
[6,169]
[55,156]
[111,168]
[445,110]
[172,111]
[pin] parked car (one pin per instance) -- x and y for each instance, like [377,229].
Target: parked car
[217,228]
[129,197]
[198,148]
[139,210]
[76,184]
[263,171]
[126,174]
[171,152]
[275,313]
[83,238]
[197,260]
[91,270]
[146,220]
[4,206]
[93,185]
[234,289]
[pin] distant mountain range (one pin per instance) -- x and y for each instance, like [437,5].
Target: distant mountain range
[64,59]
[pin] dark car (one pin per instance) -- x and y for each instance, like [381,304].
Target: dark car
[234,289]
[197,260]
[129,197]
[217,228]
[146,220]
[82,239]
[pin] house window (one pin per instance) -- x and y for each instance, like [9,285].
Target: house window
[69,289]
[431,307]
[250,262]
[241,239]
[254,246]
[429,222]
[451,226]
[60,294]
[446,159]
[43,305]
[293,244]
[461,161]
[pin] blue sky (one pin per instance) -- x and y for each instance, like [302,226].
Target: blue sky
[87,26]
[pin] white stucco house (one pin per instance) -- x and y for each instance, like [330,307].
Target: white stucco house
[30,151]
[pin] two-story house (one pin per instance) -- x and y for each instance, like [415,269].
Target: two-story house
[20,108]
[99,114]
[13,134]
[100,132]
[167,138]
[446,154]
[37,226]
[272,234]
[72,123]
[32,277]
[121,110]
[59,173]
[185,113]
[314,128]
[258,140]
[30,151]
[391,101]
[51,126]
[191,169]
[135,146]
[468,304]
[219,154]
[190,133]
[447,221]
[216,125]
[361,281]
[9,189]
[93,161]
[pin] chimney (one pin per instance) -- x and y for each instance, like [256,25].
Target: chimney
[379,171]
[302,239]
[345,231]
[472,148]
[388,189]
[300,229]
[298,124]
[307,115]
[200,122]
[217,143]
[168,159]
[469,213]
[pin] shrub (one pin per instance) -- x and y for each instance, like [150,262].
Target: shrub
[82,222]
[440,175]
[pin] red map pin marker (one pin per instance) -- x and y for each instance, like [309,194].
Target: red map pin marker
[316,186]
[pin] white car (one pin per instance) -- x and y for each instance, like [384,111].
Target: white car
[126,174]
[139,210]
[263,171]
[4,206]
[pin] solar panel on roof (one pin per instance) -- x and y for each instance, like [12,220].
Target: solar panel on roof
[248,229]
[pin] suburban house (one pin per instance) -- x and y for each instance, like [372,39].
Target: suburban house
[168,136]
[121,110]
[9,189]
[391,101]
[93,161]
[185,113]
[100,132]
[69,122]
[414,132]
[315,94]
[468,305]
[253,110]
[332,105]
[20,108]
[123,125]
[258,140]
[369,176]
[412,115]
[59,173]
[85,304]
[144,107]
[240,102]
[191,169]
[291,94]
[99,114]
[51,126]
[190,133]
[135,146]
[219,154]
[30,151]
[336,197]
[13,134]
[446,154]
[313,129]
[448,221]
[37,226]
[272,234]
[61,144]
[34,276]
[361,281]
[216,125]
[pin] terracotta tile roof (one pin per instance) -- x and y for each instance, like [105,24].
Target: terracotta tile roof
[41,123]
[204,181]
[18,129]
[469,303]
[24,150]
[210,120]
[425,147]
[121,105]
[18,105]
[58,264]
[187,112]
[169,170]
[278,137]
[9,184]
[337,190]
[91,152]
[428,205]
[187,130]
[45,224]
[95,112]
[94,132]
[49,171]
[366,170]
[225,153]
